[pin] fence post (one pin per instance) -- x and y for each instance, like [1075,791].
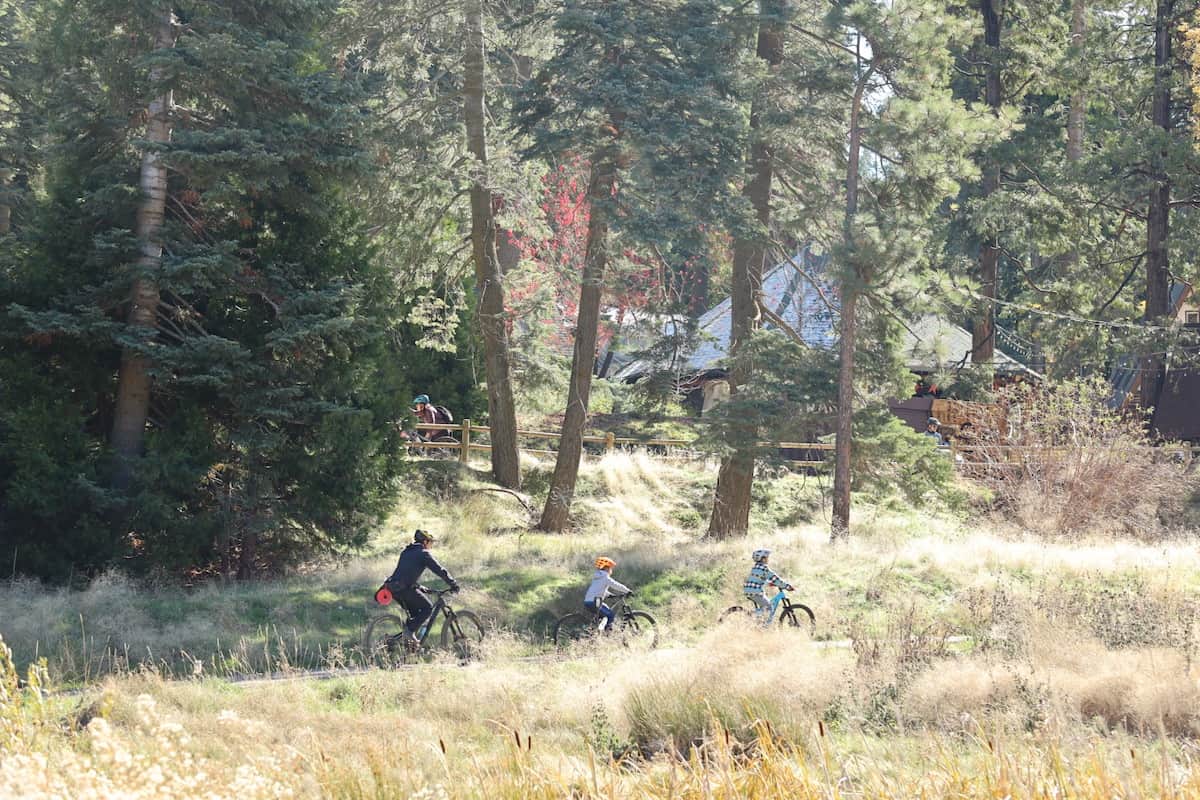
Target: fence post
[610,443]
[464,448]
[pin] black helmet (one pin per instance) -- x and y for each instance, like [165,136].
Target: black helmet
[934,421]
[421,537]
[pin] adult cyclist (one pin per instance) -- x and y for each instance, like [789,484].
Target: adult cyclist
[414,560]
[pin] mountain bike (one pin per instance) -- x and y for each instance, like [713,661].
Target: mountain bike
[630,628]
[386,642]
[796,615]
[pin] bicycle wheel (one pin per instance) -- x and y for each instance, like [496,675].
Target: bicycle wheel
[637,631]
[799,615]
[383,642]
[462,634]
[574,629]
[734,613]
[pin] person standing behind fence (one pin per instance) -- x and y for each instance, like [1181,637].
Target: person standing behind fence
[428,413]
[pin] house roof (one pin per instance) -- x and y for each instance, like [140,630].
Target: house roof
[811,309]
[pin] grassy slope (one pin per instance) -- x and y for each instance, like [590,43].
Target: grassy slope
[932,569]
[1071,641]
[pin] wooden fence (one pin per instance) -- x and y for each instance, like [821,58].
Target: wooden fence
[465,446]
[961,455]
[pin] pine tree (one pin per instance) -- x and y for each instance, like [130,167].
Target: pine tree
[209,254]
[731,502]
[643,91]
[489,279]
[916,139]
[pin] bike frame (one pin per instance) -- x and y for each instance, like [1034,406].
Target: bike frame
[439,607]
[620,608]
[779,597]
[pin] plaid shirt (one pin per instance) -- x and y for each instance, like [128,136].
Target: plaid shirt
[760,576]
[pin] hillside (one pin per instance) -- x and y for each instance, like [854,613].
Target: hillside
[946,655]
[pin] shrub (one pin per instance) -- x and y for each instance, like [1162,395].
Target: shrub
[1071,463]
[890,457]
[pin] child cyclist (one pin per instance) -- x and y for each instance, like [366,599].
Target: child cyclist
[602,583]
[759,578]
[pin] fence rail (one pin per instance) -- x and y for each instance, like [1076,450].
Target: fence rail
[961,455]
[467,430]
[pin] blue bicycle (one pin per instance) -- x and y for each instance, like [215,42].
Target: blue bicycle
[796,615]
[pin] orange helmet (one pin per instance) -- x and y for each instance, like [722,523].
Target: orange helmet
[604,562]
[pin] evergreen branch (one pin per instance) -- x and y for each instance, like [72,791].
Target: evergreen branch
[174,329]
[780,323]
[884,306]
[808,277]
[824,40]
[179,302]
[1128,277]
[193,223]
[1095,204]
[1024,271]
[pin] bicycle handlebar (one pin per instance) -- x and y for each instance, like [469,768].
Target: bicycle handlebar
[438,592]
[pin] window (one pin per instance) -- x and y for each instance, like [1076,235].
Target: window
[1191,318]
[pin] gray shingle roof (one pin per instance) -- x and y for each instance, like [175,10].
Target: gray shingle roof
[811,310]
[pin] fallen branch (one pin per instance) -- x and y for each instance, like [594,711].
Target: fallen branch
[520,499]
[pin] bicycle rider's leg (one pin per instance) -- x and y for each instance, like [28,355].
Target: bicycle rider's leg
[418,607]
[762,605]
[597,607]
[608,615]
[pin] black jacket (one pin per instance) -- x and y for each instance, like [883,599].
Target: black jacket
[414,560]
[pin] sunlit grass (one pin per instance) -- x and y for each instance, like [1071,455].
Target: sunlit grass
[1075,674]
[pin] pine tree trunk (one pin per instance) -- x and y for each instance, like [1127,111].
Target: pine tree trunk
[1158,219]
[983,333]
[1078,113]
[731,502]
[502,416]
[848,326]
[134,380]
[557,511]
[848,333]
[5,202]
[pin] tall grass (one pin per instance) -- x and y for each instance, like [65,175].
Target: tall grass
[643,513]
[1076,675]
[741,716]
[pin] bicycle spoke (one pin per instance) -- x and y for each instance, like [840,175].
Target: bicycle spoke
[384,644]
[637,631]
[575,630]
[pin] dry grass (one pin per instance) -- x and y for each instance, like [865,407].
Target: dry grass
[1070,463]
[746,715]
[643,513]
[1079,677]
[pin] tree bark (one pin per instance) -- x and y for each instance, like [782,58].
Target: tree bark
[1158,217]
[983,332]
[502,416]
[848,326]
[5,202]
[134,379]
[731,502]
[1077,115]
[557,511]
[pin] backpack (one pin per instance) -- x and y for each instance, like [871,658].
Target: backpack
[443,415]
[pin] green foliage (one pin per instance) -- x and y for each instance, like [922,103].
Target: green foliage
[890,457]
[277,386]
[791,396]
